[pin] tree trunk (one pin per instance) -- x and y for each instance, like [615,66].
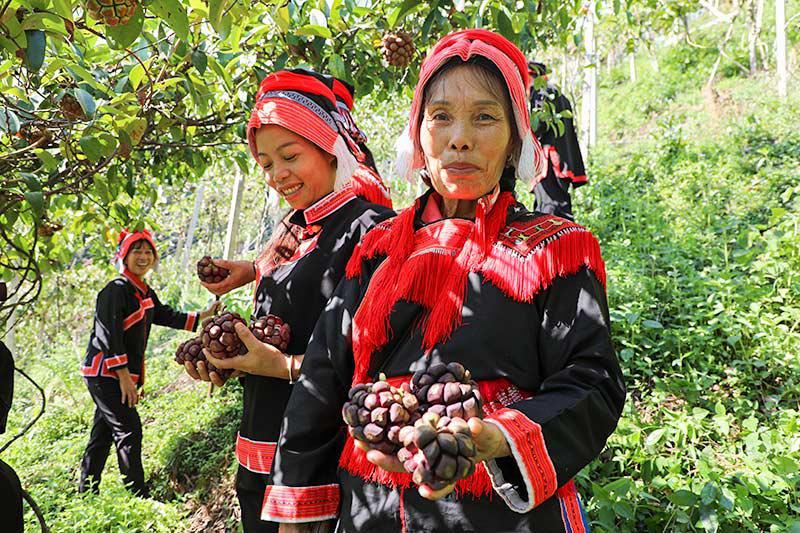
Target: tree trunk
[780,46]
[589,99]
[233,216]
[198,203]
[755,11]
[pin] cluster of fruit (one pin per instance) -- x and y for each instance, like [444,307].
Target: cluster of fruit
[423,422]
[208,272]
[219,337]
[397,48]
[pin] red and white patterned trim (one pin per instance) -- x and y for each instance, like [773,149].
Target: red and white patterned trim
[256,456]
[572,513]
[138,315]
[191,321]
[300,504]
[106,367]
[528,448]
[328,205]
[112,363]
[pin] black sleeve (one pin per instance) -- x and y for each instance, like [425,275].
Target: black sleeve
[304,472]
[164,315]
[564,426]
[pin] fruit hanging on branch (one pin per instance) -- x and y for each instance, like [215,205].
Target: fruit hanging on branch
[70,108]
[192,351]
[111,12]
[439,451]
[220,338]
[380,414]
[208,272]
[397,48]
[271,329]
[447,390]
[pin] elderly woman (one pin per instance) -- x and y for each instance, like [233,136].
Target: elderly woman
[466,274]
[297,141]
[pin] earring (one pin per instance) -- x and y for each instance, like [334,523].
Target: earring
[509,160]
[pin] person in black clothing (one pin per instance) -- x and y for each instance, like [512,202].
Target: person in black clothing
[296,140]
[565,162]
[10,487]
[114,364]
[467,274]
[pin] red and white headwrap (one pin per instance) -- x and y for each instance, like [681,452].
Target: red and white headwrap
[126,240]
[510,61]
[303,105]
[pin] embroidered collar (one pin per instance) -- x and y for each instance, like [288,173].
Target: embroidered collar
[322,208]
[135,280]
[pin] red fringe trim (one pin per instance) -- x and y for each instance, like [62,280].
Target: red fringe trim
[496,393]
[566,252]
[367,185]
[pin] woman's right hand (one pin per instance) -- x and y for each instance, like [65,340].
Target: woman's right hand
[127,388]
[241,273]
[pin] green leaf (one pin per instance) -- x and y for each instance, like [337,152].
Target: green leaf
[63,8]
[174,14]
[36,199]
[34,53]
[200,61]
[86,101]
[9,122]
[400,12]
[281,16]
[683,498]
[136,75]
[318,18]
[314,30]
[123,35]
[653,438]
[215,10]
[50,163]
[44,21]
[336,66]
[652,324]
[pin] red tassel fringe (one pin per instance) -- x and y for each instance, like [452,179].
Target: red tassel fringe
[367,185]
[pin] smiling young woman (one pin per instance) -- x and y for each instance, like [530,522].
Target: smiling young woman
[114,364]
[295,137]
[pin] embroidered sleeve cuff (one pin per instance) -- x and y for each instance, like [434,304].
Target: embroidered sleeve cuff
[529,452]
[300,504]
[118,361]
[191,321]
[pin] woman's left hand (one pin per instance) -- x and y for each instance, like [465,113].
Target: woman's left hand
[211,311]
[490,443]
[261,359]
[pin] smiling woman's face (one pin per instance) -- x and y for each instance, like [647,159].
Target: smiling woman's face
[296,168]
[466,132]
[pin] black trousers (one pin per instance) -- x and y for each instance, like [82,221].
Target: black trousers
[250,488]
[552,196]
[114,423]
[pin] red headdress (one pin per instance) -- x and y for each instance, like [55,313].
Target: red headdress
[126,240]
[304,105]
[511,62]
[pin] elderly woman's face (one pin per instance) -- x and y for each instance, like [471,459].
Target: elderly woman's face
[466,134]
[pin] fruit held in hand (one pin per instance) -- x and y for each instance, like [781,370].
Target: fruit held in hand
[447,390]
[380,414]
[192,351]
[220,338]
[111,12]
[439,451]
[397,48]
[208,272]
[271,329]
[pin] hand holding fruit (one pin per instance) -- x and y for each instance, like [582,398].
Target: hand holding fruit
[220,276]
[261,358]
